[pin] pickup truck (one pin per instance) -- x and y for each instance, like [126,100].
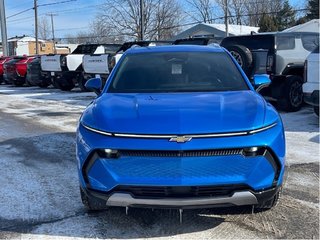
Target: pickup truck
[281,55]
[98,64]
[312,80]
[66,70]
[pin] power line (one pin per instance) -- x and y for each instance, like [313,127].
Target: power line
[40,5]
[176,26]
[18,13]
[49,4]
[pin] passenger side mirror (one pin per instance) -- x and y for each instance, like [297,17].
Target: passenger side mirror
[94,85]
[261,81]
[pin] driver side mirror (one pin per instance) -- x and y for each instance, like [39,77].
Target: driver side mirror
[261,81]
[94,85]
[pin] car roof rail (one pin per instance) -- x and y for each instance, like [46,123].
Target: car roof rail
[203,36]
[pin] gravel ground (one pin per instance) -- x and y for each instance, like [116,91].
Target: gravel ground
[40,196]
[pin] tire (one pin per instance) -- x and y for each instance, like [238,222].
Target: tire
[65,84]
[316,110]
[91,203]
[43,84]
[17,83]
[242,55]
[82,81]
[54,82]
[292,94]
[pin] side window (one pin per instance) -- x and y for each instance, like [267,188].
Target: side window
[285,42]
[310,42]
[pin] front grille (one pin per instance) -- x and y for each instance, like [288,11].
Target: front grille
[176,192]
[189,153]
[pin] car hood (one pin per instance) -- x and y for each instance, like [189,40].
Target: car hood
[176,113]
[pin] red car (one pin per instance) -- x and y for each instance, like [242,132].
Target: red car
[2,61]
[15,70]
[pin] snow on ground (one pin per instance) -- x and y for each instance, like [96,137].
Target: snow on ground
[49,107]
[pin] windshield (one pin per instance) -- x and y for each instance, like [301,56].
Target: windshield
[177,72]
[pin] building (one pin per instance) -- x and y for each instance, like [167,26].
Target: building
[311,26]
[65,48]
[218,30]
[27,46]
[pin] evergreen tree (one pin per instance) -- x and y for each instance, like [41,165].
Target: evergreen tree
[313,10]
[285,17]
[267,23]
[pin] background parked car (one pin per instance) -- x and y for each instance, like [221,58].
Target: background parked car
[3,60]
[21,70]
[15,70]
[34,74]
[282,56]
[312,81]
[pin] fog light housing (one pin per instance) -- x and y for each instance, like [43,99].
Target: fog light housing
[251,151]
[111,153]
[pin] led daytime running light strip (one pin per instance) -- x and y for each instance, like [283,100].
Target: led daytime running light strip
[231,134]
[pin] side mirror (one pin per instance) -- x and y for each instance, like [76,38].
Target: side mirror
[261,81]
[94,85]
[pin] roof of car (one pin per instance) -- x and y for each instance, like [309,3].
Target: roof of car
[176,48]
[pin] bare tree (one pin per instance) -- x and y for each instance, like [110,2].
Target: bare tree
[78,38]
[103,32]
[238,10]
[164,21]
[203,10]
[122,18]
[44,28]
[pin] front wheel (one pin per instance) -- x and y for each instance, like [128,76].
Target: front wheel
[64,84]
[292,98]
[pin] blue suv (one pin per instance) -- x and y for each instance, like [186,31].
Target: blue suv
[179,127]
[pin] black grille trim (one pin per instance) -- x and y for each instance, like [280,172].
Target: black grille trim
[188,153]
[179,191]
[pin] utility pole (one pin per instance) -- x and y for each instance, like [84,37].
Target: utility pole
[3,29]
[141,20]
[52,27]
[36,24]
[226,17]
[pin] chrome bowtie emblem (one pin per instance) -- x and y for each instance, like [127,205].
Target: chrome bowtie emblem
[181,139]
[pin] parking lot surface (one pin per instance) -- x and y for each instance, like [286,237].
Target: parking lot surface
[40,193]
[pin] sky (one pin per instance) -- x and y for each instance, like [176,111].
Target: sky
[72,16]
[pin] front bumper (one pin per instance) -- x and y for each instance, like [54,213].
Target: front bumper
[235,198]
